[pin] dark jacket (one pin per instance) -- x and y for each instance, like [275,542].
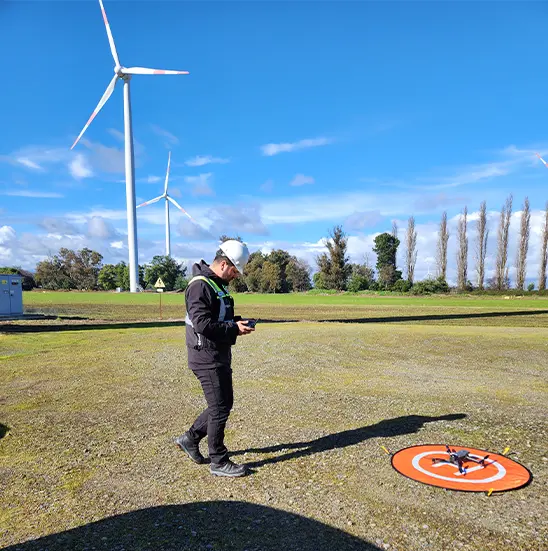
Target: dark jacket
[209,340]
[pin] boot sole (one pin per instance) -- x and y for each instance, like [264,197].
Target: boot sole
[228,475]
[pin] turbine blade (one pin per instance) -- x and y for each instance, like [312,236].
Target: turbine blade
[155,200]
[145,71]
[102,101]
[179,207]
[167,173]
[543,161]
[109,34]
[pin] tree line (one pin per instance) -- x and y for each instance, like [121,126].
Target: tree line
[83,270]
[501,280]
[336,272]
[280,272]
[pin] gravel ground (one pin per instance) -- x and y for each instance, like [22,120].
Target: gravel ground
[88,417]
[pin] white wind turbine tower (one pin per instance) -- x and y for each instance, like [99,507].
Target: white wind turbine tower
[121,72]
[168,200]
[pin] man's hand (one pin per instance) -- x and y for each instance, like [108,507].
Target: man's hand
[243,328]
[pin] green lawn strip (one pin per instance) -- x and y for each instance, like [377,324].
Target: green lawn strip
[531,314]
[52,298]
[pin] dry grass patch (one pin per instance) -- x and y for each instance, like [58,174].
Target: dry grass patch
[92,415]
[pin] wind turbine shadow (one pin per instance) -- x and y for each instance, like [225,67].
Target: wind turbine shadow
[229,525]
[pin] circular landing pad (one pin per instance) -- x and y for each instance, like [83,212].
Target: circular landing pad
[497,474]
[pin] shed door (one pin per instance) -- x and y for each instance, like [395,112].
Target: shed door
[5,300]
[16,294]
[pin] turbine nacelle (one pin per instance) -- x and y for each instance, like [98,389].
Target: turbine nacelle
[121,72]
[168,200]
[125,74]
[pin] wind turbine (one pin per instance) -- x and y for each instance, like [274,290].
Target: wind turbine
[543,161]
[168,200]
[124,73]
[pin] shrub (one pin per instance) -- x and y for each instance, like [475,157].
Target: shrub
[401,286]
[429,286]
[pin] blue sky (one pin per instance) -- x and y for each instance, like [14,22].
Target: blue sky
[296,116]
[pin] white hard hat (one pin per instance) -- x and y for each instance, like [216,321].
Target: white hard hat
[237,252]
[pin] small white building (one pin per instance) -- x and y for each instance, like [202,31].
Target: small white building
[11,295]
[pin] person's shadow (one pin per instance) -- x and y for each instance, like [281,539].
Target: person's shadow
[406,424]
[211,525]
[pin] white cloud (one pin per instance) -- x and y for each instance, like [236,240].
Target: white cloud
[32,194]
[512,159]
[117,134]
[58,226]
[117,244]
[301,180]
[245,218]
[100,228]
[7,234]
[43,158]
[37,157]
[474,175]
[201,184]
[169,138]
[432,202]
[201,160]
[336,206]
[28,163]
[109,214]
[106,159]
[268,186]
[275,148]
[195,232]
[364,219]
[151,179]
[79,167]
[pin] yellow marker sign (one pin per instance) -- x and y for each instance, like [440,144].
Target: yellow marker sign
[159,283]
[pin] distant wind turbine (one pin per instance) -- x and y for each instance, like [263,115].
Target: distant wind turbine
[121,72]
[168,199]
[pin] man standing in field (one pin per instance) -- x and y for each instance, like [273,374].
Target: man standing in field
[211,330]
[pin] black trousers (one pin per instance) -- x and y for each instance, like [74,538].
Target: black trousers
[217,386]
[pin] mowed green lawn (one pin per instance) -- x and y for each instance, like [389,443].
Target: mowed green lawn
[87,417]
[532,312]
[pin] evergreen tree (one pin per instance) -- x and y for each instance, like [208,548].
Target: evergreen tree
[386,248]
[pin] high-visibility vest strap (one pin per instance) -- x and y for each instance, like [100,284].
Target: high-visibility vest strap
[220,292]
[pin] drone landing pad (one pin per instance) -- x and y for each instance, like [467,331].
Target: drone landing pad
[498,475]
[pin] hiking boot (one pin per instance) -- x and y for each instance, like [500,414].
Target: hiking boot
[228,469]
[191,448]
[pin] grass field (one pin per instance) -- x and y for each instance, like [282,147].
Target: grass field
[87,417]
[456,310]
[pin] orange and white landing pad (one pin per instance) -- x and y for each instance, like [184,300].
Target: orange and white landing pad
[498,474]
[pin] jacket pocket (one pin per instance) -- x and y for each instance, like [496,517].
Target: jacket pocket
[194,340]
